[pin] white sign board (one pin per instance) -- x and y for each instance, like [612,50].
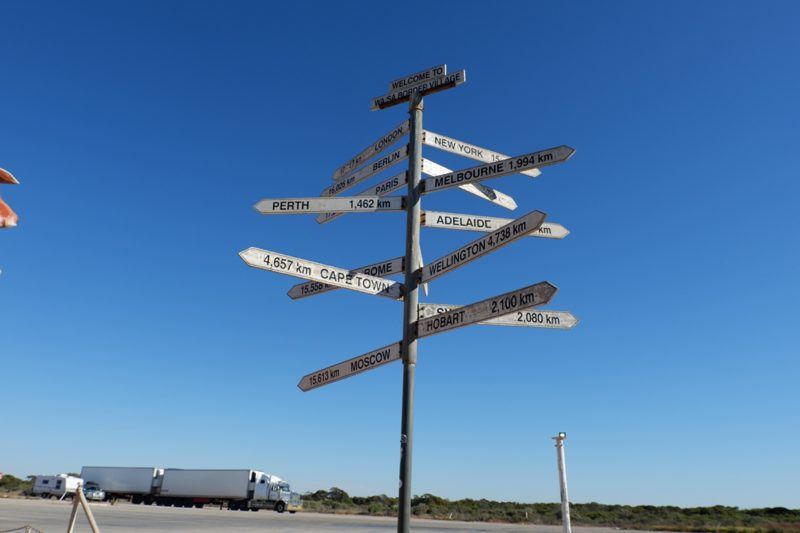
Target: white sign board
[503,167]
[433,85]
[351,367]
[517,300]
[372,150]
[339,277]
[471,151]
[412,80]
[438,219]
[350,204]
[495,240]
[530,318]
[380,270]
[382,189]
[345,182]
[478,189]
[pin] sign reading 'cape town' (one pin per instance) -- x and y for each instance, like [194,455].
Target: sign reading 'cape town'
[530,318]
[437,219]
[512,231]
[345,182]
[432,85]
[372,150]
[471,151]
[352,204]
[382,189]
[381,270]
[478,189]
[503,167]
[351,367]
[531,296]
[340,277]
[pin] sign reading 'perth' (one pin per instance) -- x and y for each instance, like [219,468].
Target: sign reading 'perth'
[351,367]
[352,204]
[471,151]
[503,167]
[372,150]
[382,189]
[339,277]
[437,219]
[525,298]
[380,270]
[512,231]
[478,189]
[530,318]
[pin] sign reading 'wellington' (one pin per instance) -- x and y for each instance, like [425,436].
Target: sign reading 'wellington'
[351,367]
[503,167]
[495,240]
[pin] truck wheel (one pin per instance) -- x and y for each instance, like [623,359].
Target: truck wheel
[292,512]
[280,507]
[198,505]
[233,506]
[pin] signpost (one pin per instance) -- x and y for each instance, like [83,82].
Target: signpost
[472,151]
[438,219]
[351,367]
[531,318]
[512,165]
[506,303]
[495,240]
[515,308]
[478,189]
[351,204]
[338,277]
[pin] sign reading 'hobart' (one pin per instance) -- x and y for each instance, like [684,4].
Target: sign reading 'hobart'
[432,85]
[478,189]
[530,318]
[381,270]
[340,277]
[503,167]
[525,298]
[382,189]
[471,151]
[372,150]
[512,231]
[437,219]
[352,204]
[351,367]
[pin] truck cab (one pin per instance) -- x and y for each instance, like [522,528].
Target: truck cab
[272,492]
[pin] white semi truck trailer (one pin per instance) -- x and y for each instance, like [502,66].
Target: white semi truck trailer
[238,489]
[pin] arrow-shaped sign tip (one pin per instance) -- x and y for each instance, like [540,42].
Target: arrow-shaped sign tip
[548,291]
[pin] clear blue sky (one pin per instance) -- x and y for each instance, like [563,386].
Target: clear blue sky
[143,133]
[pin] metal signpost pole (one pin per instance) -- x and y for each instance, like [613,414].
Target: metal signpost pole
[562,477]
[410,301]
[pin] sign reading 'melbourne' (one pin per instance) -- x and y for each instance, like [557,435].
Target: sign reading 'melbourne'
[478,189]
[512,165]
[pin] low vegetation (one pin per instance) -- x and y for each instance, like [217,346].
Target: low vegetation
[718,518]
[11,485]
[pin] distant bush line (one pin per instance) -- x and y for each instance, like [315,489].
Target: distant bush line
[719,518]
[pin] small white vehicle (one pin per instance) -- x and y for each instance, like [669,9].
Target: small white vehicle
[57,486]
[93,493]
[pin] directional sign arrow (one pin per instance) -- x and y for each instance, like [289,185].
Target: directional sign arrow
[340,277]
[438,219]
[478,189]
[372,150]
[351,367]
[345,182]
[472,151]
[351,204]
[432,85]
[512,231]
[413,80]
[503,167]
[382,269]
[382,189]
[530,318]
[525,298]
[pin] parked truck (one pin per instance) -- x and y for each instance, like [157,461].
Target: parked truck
[237,489]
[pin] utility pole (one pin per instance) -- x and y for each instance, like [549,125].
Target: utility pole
[562,477]
[410,301]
